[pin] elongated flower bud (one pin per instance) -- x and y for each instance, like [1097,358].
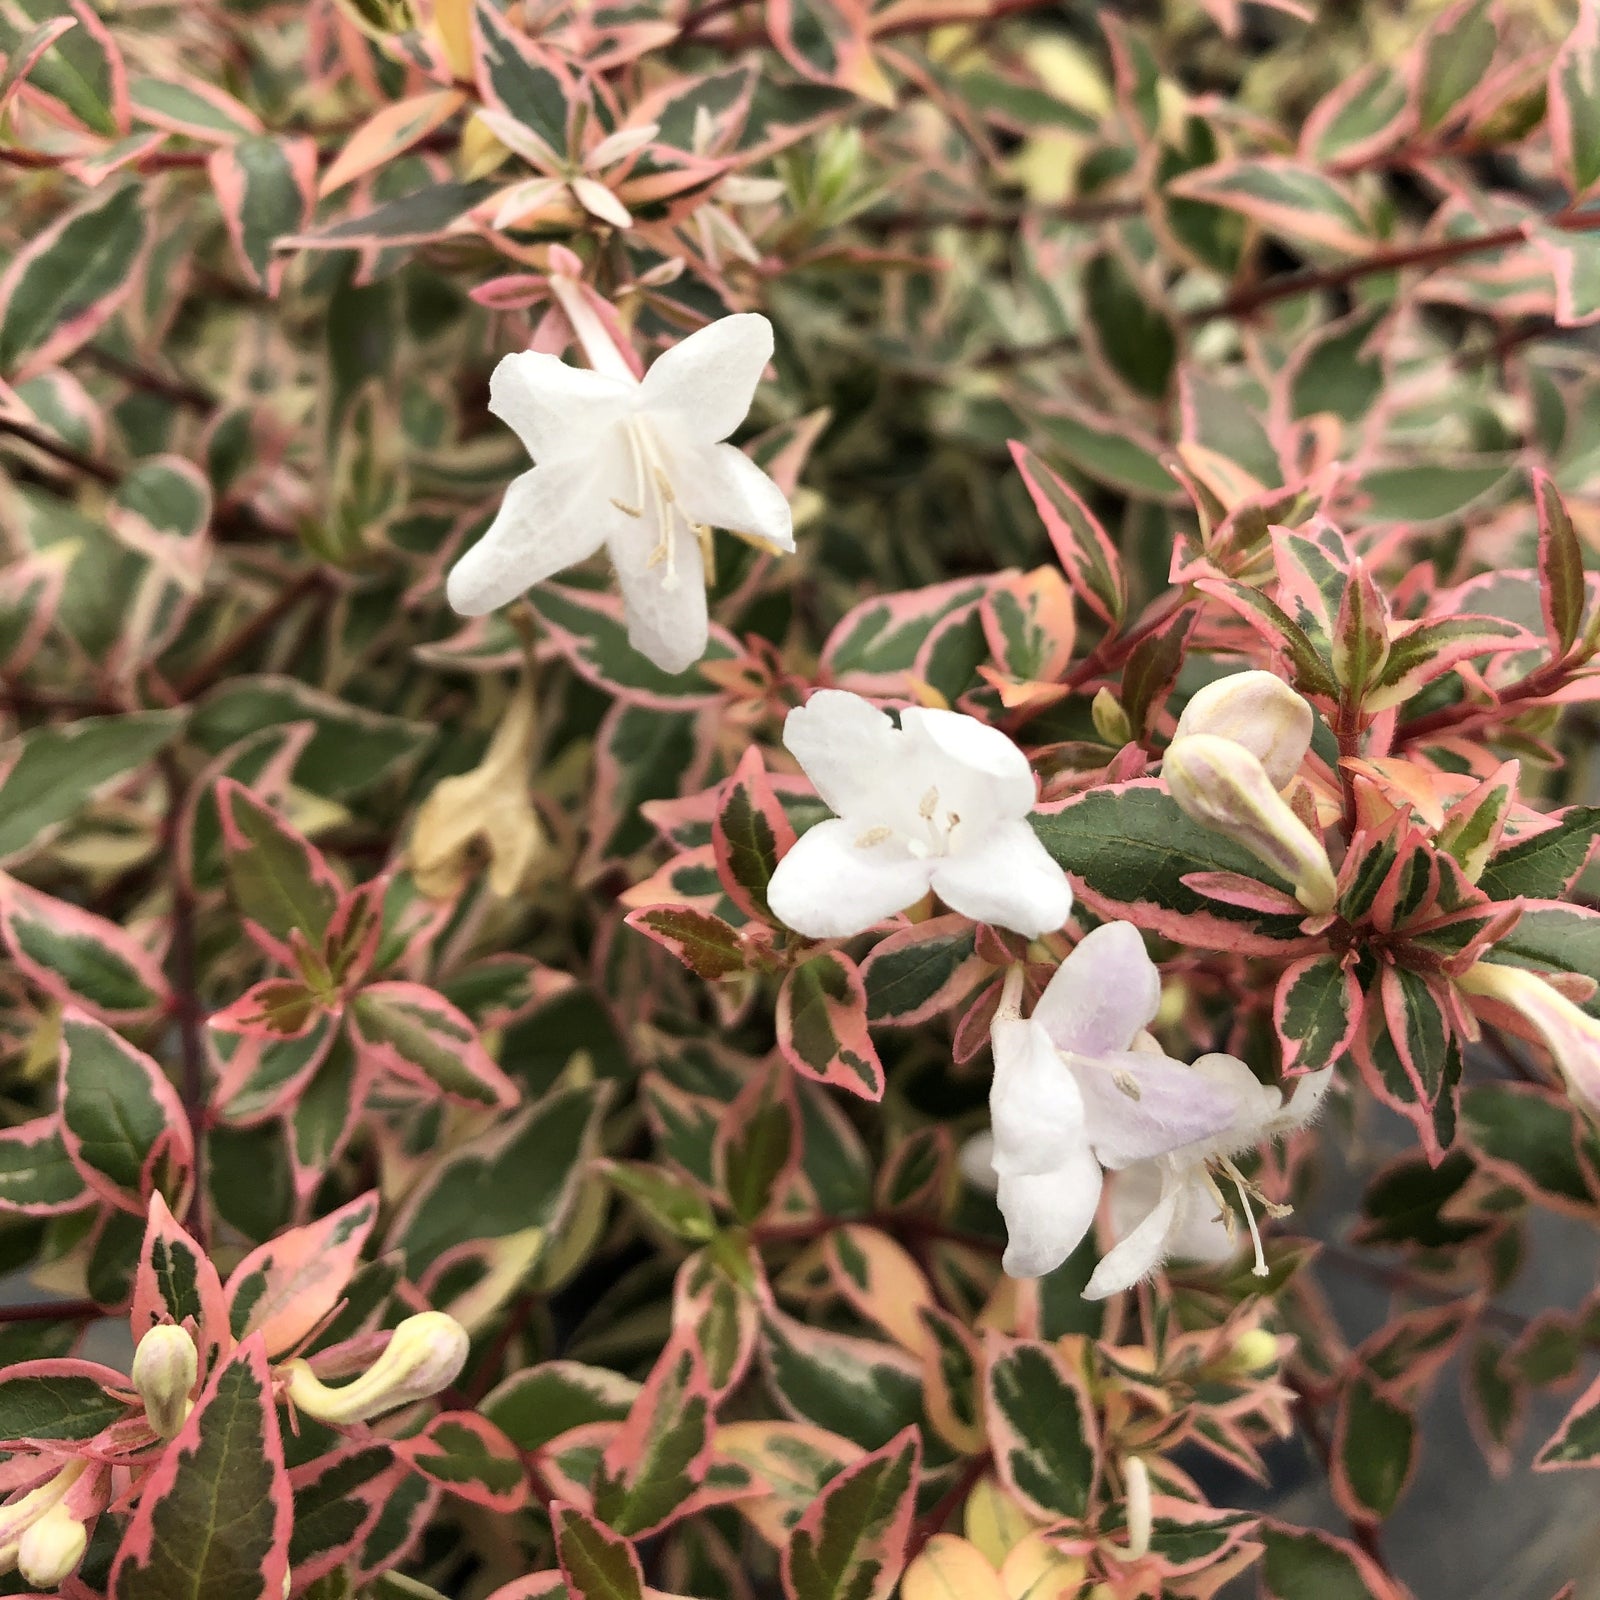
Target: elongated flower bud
[164,1369]
[1570,1034]
[1259,711]
[1223,786]
[425,1355]
[20,1516]
[52,1548]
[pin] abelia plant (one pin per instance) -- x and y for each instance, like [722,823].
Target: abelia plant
[956,1040]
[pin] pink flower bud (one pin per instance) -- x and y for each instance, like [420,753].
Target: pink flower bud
[164,1370]
[1222,785]
[1259,711]
[425,1355]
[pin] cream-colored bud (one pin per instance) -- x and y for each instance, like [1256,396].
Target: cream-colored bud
[165,1367]
[1569,1033]
[1259,711]
[426,1354]
[1223,786]
[17,1517]
[1255,1350]
[51,1548]
[1110,720]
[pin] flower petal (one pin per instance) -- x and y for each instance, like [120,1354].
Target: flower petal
[998,780]
[665,607]
[847,747]
[1137,1105]
[1048,1215]
[556,410]
[723,488]
[1103,993]
[1035,1105]
[709,379]
[1008,879]
[827,888]
[550,518]
[1143,1249]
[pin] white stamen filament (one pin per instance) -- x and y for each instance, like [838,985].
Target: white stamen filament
[655,492]
[1245,1191]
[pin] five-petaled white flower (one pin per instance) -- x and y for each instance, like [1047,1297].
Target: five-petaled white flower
[1175,1206]
[638,467]
[1074,1092]
[940,802]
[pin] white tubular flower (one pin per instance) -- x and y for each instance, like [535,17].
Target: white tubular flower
[1567,1031]
[51,1548]
[1174,1206]
[1223,786]
[639,467]
[165,1367]
[42,1552]
[426,1354]
[1259,711]
[940,802]
[1073,1093]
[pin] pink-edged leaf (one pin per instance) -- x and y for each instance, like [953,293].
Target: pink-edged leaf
[822,1025]
[721,1318]
[1152,669]
[68,280]
[656,1463]
[1312,673]
[597,1563]
[1084,549]
[469,1457]
[82,73]
[281,884]
[285,1287]
[758,1143]
[917,973]
[58,1399]
[1574,101]
[38,1178]
[415,1033]
[750,832]
[176,1280]
[851,1543]
[275,1008]
[1132,853]
[1429,649]
[1374,1450]
[193,107]
[1366,113]
[1576,1443]
[266,187]
[590,631]
[25,53]
[1475,824]
[392,130]
[705,944]
[1042,1426]
[215,1514]
[1453,62]
[338,1499]
[881,1282]
[1299,1562]
[1316,1010]
[876,644]
[1563,593]
[1030,626]
[1235,889]
[1286,198]
[79,958]
[263,762]
[516,76]
[122,1122]
[1405,1355]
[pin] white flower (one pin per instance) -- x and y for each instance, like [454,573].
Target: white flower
[940,802]
[1261,712]
[1566,1030]
[638,467]
[1174,1206]
[1074,1091]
